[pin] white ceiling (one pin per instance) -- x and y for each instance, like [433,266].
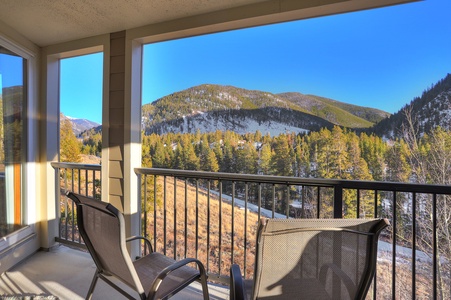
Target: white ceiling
[48,22]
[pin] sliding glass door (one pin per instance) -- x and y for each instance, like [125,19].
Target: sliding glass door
[12,140]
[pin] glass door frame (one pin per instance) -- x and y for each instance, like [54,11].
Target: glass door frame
[25,185]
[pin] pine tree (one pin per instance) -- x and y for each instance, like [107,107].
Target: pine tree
[281,163]
[265,159]
[247,158]
[69,145]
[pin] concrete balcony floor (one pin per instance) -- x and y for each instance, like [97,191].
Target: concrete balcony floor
[66,273]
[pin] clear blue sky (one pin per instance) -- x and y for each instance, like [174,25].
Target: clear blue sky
[380,58]
[81,87]
[11,73]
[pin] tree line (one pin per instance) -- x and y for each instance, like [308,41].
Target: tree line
[328,153]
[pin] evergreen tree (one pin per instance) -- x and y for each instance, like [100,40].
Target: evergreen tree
[281,163]
[265,159]
[69,145]
[228,162]
[247,158]
[397,158]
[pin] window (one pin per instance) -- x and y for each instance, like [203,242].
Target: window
[12,140]
[81,108]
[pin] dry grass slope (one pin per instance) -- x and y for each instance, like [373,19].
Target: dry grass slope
[219,225]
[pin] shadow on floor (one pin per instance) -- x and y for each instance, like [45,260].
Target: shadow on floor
[66,273]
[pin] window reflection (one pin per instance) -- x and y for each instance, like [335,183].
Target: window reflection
[12,146]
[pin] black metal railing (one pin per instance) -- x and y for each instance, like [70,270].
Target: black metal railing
[82,179]
[213,217]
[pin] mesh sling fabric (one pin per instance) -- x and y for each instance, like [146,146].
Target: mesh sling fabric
[299,260]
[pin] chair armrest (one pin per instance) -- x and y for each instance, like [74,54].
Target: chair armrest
[236,284]
[166,271]
[146,240]
[349,284]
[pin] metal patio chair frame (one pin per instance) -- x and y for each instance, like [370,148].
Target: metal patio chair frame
[152,276]
[310,276]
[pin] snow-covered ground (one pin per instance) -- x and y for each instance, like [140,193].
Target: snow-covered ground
[205,123]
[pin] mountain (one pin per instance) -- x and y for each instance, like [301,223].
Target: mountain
[79,125]
[211,107]
[344,114]
[430,110]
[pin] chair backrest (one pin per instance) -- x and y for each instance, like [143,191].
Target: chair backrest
[101,226]
[294,256]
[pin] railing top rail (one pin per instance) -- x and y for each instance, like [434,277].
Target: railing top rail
[346,184]
[65,165]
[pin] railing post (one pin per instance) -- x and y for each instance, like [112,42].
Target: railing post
[140,199]
[338,201]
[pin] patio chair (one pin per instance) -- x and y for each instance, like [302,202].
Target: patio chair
[311,259]
[152,276]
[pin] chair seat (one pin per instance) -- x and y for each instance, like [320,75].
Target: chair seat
[149,266]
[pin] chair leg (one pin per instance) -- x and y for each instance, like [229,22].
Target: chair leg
[203,281]
[93,284]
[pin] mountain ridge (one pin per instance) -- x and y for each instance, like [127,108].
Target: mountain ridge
[79,125]
[198,107]
[210,107]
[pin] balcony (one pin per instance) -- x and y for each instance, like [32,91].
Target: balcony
[213,217]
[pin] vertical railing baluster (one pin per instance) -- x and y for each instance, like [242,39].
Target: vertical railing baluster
[233,223]
[66,209]
[197,217]
[73,180]
[375,272]
[375,203]
[86,182]
[246,196]
[164,215]
[259,203]
[338,202]
[155,179]
[394,246]
[303,201]
[73,210]
[79,181]
[318,205]
[273,200]
[186,217]
[208,224]
[358,203]
[94,185]
[288,202]
[434,246]
[73,223]
[144,201]
[220,226]
[175,218]
[414,244]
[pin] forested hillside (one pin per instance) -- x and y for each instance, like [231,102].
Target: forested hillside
[427,112]
[336,153]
